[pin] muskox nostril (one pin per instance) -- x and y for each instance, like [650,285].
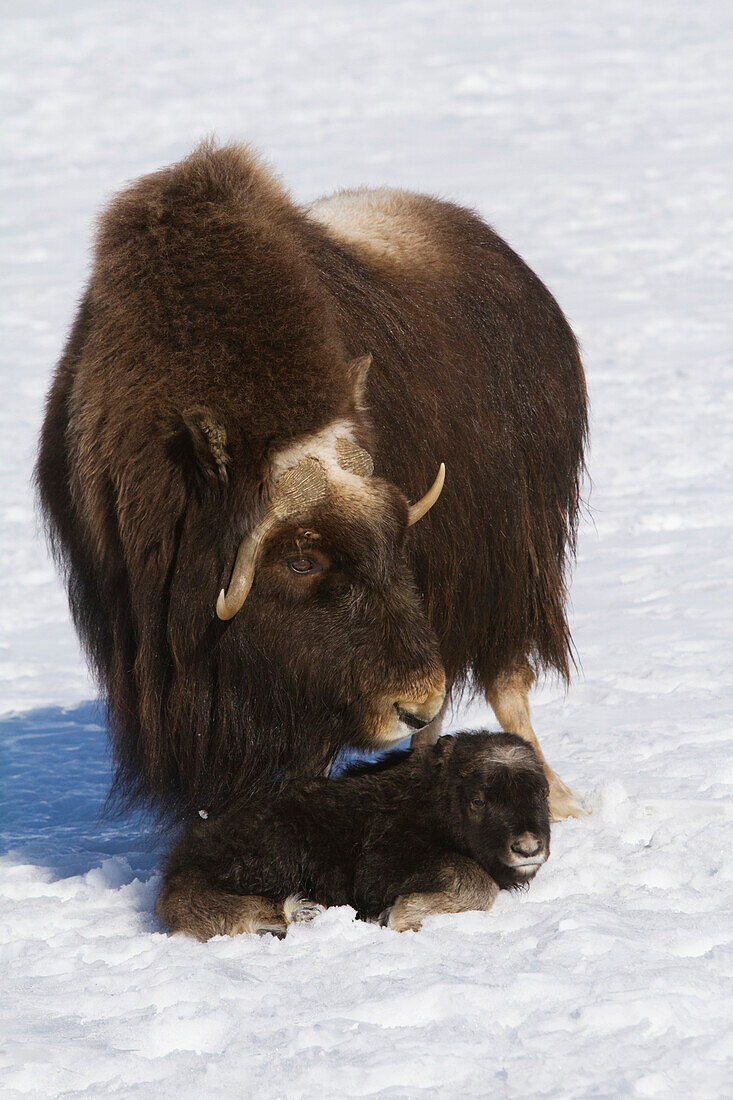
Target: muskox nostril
[411,720]
[527,845]
[419,706]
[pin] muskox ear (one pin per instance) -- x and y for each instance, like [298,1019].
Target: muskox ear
[198,444]
[358,370]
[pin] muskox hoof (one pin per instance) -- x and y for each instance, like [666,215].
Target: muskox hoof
[383,919]
[563,802]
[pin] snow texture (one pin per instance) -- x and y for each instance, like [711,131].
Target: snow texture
[595,138]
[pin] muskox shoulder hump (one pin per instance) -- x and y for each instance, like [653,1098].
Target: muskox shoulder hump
[383,221]
[210,187]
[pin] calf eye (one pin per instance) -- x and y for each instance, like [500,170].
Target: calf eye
[478,802]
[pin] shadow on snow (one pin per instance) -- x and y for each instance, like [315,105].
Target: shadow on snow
[55,773]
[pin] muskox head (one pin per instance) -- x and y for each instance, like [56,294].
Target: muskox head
[319,589]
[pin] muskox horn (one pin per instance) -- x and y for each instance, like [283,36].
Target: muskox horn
[227,605]
[298,490]
[418,510]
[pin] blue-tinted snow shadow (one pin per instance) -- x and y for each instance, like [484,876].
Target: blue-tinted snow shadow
[347,757]
[55,774]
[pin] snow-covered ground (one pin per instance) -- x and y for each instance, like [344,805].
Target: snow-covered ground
[594,137]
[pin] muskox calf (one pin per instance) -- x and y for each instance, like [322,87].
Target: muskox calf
[434,830]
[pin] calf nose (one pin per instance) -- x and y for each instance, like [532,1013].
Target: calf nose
[528,844]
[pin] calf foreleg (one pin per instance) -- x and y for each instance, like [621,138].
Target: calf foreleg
[459,885]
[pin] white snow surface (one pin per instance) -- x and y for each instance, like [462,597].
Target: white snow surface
[596,138]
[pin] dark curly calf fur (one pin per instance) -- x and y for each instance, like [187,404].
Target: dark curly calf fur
[435,830]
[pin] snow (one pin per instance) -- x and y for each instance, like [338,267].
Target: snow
[594,138]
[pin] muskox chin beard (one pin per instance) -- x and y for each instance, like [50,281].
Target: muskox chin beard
[217,746]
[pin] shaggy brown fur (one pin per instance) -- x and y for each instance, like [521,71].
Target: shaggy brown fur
[439,830]
[221,325]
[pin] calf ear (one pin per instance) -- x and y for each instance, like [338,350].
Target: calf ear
[198,444]
[444,747]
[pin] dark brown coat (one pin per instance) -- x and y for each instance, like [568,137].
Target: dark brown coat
[223,325]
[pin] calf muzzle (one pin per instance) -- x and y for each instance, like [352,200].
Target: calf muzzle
[527,845]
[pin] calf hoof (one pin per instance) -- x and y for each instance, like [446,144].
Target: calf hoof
[301,910]
[275,929]
[406,915]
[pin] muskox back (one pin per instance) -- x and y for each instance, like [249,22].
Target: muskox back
[473,362]
[218,332]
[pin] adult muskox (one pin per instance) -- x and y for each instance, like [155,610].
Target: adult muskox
[226,477]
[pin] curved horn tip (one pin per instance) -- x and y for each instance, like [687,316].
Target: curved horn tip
[422,506]
[221,607]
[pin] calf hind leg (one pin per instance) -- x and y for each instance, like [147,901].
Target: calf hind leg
[188,905]
[508,697]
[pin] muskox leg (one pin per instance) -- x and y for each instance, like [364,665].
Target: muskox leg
[460,886]
[188,905]
[508,697]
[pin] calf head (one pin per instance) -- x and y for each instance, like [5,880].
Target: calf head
[497,795]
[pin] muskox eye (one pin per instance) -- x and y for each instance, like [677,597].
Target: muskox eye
[478,802]
[303,566]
